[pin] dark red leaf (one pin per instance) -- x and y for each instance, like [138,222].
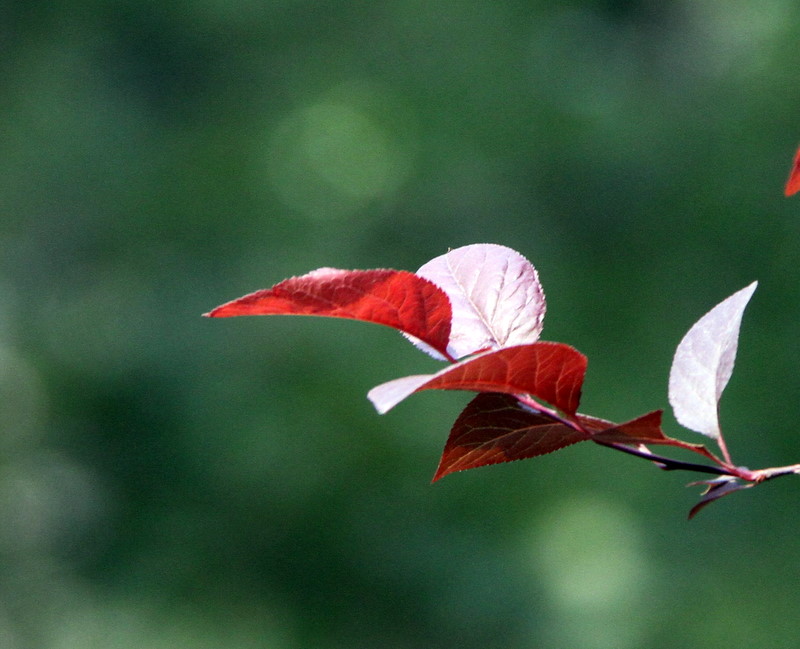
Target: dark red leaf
[552,372]
[495,428]
[642,430]
[645,430]
[394,298]
[793,183]
[594,424]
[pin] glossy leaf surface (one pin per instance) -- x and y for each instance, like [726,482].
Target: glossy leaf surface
[552,372]
[703,364]
[397,299]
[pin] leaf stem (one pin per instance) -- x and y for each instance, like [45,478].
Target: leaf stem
[761,475]
[723,447]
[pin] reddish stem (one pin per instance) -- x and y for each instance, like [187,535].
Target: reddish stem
[774,472]
[724,448]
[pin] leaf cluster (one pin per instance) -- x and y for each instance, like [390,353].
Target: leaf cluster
[480,309]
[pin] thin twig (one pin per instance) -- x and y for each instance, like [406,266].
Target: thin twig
[666,463]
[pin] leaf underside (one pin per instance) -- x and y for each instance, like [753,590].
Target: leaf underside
[495,294]
[703,364]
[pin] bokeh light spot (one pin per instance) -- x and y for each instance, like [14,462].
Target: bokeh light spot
[22,400]
[589,554]
[330,158]
[348,150]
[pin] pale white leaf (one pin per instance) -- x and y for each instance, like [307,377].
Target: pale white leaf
[703,364]
[495,294]
[387,395]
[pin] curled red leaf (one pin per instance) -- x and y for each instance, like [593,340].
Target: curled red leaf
[394,298]
[552,372]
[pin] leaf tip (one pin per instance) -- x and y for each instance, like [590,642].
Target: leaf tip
[223,310]
[793,182]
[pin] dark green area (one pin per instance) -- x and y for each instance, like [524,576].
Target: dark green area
[172,482]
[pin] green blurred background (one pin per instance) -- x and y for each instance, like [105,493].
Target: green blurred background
[173,482]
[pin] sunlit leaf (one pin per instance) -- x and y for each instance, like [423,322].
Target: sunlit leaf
[394,298]
[793,183]
[703,364]
[495,428]
[552,372]
[495,294]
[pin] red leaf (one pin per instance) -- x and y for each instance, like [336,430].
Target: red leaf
[552,372]
[394,298]
[793,183]
[495,428]
[642,430]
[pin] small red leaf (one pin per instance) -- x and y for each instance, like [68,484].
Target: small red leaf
[552,372]
[793,183]
[495,428]
[643,430]
[394,298]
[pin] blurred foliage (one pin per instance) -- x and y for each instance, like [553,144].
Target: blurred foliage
[168,481]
